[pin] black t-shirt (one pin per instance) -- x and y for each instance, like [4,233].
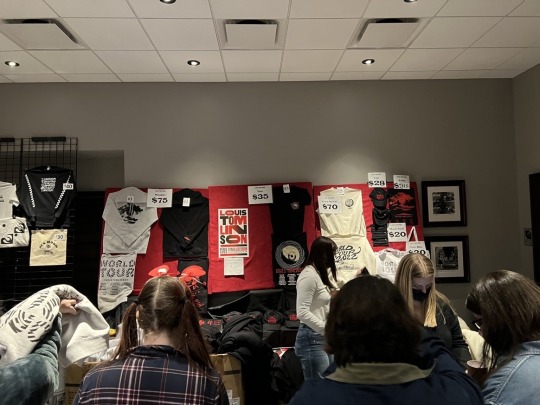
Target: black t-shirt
[287,210]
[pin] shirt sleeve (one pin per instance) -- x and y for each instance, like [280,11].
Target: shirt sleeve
[460,349]
[305,290]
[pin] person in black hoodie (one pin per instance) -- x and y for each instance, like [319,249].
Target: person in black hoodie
[383,356]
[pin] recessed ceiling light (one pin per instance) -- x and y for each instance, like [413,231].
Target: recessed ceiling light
[193,62]
[409,1]
[12,63]
[167,1]
[368,61]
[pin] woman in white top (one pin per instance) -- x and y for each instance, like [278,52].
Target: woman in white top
[314,290]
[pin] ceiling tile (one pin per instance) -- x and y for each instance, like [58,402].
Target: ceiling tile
[352,60]
[512,31]
[310,61]
[180,9]
[501,74]
[111,33]
[90,77]
[527,8]
[25,9]
[176,61]
[252,61]
[454,32]
[250,9]
[200,77]
[298,77]
[4,80]
[524,60]
[180,34]
[425,59]
[93,8]
[409,75]
[327,9]
[36,78]
[459,74]
[320,33]
[357,75]
[482,58]
[132,61]
[7,44]
[252,77]
[28,64]
[71,61]
[145,77]
[400,9]
[478,7]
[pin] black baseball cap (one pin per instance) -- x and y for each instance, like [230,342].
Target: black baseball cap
[379,197]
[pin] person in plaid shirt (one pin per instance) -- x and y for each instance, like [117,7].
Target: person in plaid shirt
[171,367]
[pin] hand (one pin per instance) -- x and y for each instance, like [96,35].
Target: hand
[69,307]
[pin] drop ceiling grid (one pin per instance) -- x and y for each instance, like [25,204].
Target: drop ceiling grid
[145,40]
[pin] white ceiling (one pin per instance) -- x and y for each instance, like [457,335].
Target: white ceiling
[316,40]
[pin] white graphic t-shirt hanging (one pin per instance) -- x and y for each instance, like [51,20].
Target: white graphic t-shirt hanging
[350,221]
[8,199]
[48,247]
[116,277]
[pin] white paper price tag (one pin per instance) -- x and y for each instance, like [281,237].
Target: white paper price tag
[401,182]
[330,204]
[159,197]
[68,186]
[397,232]
[377,179]
[186,202]
[233,266]
[340,191]
[286,189]
[417,247]
[260,194]
[130,199]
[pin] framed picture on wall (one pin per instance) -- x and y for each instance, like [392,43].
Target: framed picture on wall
[450,257]
[443,203]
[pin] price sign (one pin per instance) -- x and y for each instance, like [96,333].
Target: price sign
[159,197]
[286,189]
[401,182]
[68,186]
[376,179]
[186,202]
[397,232]
[260,194]
[330,204]
[417,247]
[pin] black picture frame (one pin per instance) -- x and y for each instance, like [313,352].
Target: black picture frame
[450,258]
[444,203]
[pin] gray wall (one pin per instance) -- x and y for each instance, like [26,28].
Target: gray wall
[189,135]
[527,129]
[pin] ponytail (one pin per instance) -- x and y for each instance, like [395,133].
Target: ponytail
[192,344]
[129,336]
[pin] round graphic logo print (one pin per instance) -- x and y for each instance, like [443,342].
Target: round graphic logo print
[289,254]
[349,202]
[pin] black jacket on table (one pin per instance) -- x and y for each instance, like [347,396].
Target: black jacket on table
[449,331]
[45,194]
[185,229]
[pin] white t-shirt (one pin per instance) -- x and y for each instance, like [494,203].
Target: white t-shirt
[8,199]
[352,255]
[351,219]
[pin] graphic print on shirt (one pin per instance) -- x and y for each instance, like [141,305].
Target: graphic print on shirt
[402,204]
[194,274]
[129,212]
[288,258]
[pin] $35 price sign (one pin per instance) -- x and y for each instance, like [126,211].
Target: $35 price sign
[260,194]
[159,197]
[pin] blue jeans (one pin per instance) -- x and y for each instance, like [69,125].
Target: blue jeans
[309,348]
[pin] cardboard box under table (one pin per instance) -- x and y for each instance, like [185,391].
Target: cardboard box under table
[230,370]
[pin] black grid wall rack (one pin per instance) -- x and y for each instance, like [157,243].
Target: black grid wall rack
[17,279]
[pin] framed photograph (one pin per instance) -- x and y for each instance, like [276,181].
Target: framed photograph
[450,257]
[443,203]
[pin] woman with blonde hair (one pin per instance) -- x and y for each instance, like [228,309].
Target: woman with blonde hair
[415,278]
[171,366]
